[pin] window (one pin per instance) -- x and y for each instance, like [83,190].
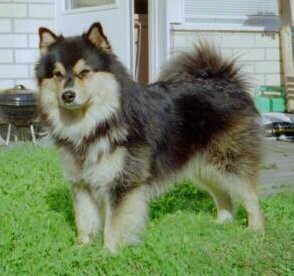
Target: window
[260,13]
[81,4]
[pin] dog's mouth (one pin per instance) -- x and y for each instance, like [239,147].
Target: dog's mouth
[71,106]
[74,105]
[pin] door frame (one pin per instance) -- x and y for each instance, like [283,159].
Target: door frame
[161,15]
[158,37]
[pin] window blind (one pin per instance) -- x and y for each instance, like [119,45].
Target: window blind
[229,8]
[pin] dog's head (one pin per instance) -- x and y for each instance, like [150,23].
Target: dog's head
[78,83]
[75,71]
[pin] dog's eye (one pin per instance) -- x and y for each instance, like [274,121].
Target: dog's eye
[58,74]
[83,73]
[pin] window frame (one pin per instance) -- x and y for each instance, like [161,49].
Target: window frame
[272,22]
[88,9]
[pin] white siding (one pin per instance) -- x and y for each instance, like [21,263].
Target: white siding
[258,54]
[19,23]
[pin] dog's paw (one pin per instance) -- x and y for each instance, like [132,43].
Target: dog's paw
[111,247]
[257,226]
[224,216]
[84,240]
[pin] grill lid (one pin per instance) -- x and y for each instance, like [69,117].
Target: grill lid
[18,96]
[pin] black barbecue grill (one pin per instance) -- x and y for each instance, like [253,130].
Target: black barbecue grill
[18,109]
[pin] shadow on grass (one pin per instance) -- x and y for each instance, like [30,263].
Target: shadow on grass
[59,200]
[183,197]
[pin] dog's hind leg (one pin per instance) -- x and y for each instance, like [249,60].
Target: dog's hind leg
[223,204]
[126,214]
[249,197]
[244,189]
[86,214]
[212,183]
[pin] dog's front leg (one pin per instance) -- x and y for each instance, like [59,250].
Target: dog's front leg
[86,213]
[125,218]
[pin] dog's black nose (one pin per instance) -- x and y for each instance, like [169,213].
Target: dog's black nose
[68,96]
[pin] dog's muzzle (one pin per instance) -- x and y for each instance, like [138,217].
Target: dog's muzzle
[68,96]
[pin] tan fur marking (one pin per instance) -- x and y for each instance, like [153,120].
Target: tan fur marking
[58,66]
[229,151]
[97,39]
[47,38]
[80,66]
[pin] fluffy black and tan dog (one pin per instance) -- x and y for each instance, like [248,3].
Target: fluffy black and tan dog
[122,142]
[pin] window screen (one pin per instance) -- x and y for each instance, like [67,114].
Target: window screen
[230,8]
[76,4]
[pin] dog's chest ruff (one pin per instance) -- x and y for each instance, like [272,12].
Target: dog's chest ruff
[97,163]
[102,163]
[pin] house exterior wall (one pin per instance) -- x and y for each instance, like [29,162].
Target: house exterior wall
[19,23]
[20,19]
[258,52]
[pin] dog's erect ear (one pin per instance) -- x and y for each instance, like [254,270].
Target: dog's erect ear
[47,38]
[97,37]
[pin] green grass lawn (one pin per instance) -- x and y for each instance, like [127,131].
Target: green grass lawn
[37,233]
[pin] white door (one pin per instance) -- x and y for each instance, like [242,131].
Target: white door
[116,17]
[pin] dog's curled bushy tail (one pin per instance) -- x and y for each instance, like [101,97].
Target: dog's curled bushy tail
[204,62]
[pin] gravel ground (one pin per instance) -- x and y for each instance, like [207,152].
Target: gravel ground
[277,172]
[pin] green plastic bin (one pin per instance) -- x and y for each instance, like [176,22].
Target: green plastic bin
[270,99]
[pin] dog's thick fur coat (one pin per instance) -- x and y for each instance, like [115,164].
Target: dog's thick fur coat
[123,143]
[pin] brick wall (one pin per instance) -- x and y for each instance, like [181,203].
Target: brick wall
[19,23]
[258,52]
